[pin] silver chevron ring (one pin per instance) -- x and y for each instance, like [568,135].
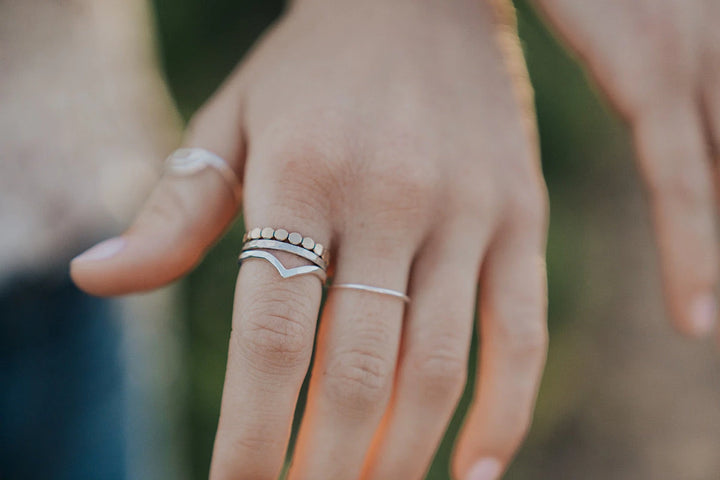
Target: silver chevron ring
[284,272]
[285,247]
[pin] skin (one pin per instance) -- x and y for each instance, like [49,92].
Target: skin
[400,134]
[419,181]
[660,68]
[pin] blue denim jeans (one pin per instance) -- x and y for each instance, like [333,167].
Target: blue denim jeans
[62,402]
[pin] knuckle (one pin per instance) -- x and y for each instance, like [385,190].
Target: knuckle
[359,379]
[416,181]
[317,160]
[400,173]
[298,157]
[439,372]
[169,210]
[530,206]
[398,194]
[244,444]
[675,50]
[406,182]
[526,339]
[678,185]
[307,168]
[251,442]
[278,330]
[307,183]
[296,148]
[475,197]
[516,430]
[510,423]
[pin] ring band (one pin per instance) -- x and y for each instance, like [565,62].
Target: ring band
[284,272]
[291,238]
[370,288]
[189,161]
[285,247]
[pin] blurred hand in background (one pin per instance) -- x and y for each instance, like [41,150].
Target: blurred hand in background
[83,111]
[401,134]
[658,61]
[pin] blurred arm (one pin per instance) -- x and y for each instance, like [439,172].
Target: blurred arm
[658,62]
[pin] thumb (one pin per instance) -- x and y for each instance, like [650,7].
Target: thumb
[182,218]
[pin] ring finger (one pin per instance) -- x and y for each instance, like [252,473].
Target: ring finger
[432,369]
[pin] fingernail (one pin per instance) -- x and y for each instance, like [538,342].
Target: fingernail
[102,251]
[704,315]
[485,469]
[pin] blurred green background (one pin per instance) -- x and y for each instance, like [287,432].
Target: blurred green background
[587,162]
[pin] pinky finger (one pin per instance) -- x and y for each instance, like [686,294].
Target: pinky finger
[512,354]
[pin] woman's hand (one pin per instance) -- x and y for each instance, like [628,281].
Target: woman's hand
[658,61]
[400,134]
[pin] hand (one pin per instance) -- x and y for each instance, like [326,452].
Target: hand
[658,61]
[399,133]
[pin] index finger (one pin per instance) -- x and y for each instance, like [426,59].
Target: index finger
[272,337]
[270,348]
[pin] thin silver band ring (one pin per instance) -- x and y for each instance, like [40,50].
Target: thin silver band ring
[284,272]
[189,161]
[285,247]
[370,288]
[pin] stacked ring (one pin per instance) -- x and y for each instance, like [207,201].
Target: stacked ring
[292,238]
[257,241]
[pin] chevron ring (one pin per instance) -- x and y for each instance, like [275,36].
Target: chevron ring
[285,247]
[284,272]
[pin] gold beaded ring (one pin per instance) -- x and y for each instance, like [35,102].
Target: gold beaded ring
[257,241]
[293,238]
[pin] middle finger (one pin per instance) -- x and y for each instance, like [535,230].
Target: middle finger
[356,354]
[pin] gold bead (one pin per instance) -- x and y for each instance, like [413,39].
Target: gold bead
[281,234]
[267,232]
[295,238]
[308,243]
